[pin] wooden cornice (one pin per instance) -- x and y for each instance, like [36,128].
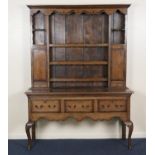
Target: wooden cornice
[78,9]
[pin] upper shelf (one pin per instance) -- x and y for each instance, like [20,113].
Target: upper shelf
[118,29]
[39,30]
[114,45]
[78,45]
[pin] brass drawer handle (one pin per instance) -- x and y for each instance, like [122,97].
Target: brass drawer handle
[41,106]
[102,106]
[69,106]
[49,106]
[36,106]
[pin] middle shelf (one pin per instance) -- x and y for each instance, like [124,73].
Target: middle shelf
[78,62]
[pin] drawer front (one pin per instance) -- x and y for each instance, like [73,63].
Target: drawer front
[79,106]
[112,105]
[45,106]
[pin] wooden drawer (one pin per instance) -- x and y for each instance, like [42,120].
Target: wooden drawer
[79,105]
[112,105]
[45,106]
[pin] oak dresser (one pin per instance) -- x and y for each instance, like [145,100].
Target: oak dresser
[78,61]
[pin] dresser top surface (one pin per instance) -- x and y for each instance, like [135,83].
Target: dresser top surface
[81,6]
[78,91]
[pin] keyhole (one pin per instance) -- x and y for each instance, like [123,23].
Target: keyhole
[87,106]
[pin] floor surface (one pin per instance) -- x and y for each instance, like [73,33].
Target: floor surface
[78,147]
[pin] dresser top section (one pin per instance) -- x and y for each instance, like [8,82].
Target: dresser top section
[79,9]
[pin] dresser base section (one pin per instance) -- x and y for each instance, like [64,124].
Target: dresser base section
[97,106]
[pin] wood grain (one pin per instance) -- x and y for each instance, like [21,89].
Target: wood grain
[39,65]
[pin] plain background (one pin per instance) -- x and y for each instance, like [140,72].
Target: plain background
[19,75]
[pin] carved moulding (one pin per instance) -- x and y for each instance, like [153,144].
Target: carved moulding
[77,117]
[78,11]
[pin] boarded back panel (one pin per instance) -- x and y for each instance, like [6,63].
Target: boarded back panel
[74,29]
[92,29]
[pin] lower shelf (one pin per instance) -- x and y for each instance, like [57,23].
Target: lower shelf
[77,79]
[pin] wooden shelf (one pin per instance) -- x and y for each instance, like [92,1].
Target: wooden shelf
[78,63]
[78,45]
[118,29]
[39,30]
[78,79]
[40,46]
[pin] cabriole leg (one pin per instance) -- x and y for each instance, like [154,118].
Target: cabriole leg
[34,131]
[123,130]
[129,124]
[28,126]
